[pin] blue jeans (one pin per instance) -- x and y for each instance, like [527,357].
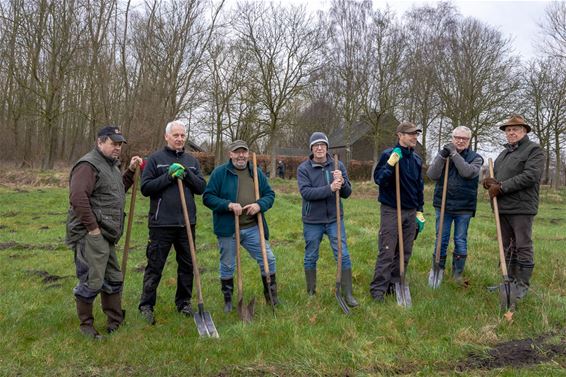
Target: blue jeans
[249,239]
[313,235]
[461,223]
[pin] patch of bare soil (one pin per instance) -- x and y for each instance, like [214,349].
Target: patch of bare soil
[46,277]
[520,353]
[24,246]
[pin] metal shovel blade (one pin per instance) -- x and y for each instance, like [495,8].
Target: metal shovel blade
[246,312]
[205,324]
[340,300]
[507,295]
[403,294]
[435,277]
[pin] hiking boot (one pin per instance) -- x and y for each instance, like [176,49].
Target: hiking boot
[227,290]
[186,309]
[112,307]
[84,311]
[147,314]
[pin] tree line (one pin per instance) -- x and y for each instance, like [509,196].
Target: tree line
[267,73]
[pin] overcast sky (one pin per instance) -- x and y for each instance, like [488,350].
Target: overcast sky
[515,19]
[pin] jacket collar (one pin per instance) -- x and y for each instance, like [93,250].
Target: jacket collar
[512,147]
[323,164]
[174,152]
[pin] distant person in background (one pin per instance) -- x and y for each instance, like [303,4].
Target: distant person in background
[518,170]
[386,272]
[165,219]
[318,182]
[97,196]
[461,196]
[281,169]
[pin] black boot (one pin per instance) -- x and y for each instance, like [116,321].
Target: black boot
[272,288]
[112,307]
[458,263]
[227,290]
[347,288]
[522,280]
[310,276]
[84,311]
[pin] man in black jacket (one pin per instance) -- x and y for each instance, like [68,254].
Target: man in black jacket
[165,219]
[517,170]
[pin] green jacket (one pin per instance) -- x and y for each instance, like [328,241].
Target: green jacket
[222,188]
[519,170]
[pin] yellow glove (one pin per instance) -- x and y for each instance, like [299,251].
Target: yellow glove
[420,221]
[396,155]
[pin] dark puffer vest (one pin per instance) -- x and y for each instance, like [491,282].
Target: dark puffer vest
[107,200]
[461,194]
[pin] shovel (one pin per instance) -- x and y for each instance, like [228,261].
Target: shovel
[507,294]
[129,227]
[203,320]
[436,273]
[337,293]
[262,236]
[246,313]
[401,288]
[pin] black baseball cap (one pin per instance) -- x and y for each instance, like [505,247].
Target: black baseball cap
[113,133]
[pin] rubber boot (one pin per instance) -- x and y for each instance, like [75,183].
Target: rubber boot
[458,263]
[112,307]
[513,271]
[84,311]
[227,290]
[272,288]
[310,276]
[347,288]
[522,280]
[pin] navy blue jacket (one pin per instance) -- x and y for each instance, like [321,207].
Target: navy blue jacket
[165,203]
[222,189]
[463,178]
[319,202]
[411,179]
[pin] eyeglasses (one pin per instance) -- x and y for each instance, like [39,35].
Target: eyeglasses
[319,145]
[461,138]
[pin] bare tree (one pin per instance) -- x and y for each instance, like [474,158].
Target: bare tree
[554,29]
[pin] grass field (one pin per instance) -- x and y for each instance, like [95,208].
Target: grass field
[449,331]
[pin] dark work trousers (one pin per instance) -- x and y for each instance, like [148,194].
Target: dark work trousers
[386,270]
[516,234]
[159,244]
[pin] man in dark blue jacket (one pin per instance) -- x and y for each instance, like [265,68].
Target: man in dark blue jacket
[461,196]
[165,219]
[230,191]
[318,183]
[386,271]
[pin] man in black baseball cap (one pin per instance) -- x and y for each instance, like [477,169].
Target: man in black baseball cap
[113,133]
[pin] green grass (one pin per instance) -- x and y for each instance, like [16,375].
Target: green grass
[308,336]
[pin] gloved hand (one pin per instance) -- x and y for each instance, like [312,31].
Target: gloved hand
[488,182]
[396,155]
[494,190]
[420,221]
[176,171]
[448,150]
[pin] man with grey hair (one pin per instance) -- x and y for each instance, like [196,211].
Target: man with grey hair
[461,196]
[165,220]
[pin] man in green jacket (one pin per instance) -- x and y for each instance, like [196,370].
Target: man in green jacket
[517,170]
[230,192]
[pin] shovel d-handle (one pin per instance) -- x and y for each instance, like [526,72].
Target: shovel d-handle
[129,226]
[502,262]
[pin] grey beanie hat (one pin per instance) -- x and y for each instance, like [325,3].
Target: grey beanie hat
[318,137]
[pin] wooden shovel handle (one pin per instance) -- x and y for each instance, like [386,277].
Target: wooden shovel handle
[442,209]
[260,222]
[399,224]
[502,262]
[130,222]
[338,228]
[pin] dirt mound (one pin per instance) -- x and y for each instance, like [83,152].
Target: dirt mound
[519,353]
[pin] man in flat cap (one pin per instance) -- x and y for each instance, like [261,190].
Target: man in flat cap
[166,222]
[230,192]
[386,272]
[518,170]
[318,182]
[97,196]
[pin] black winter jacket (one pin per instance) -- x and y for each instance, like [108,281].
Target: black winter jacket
[165,203]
